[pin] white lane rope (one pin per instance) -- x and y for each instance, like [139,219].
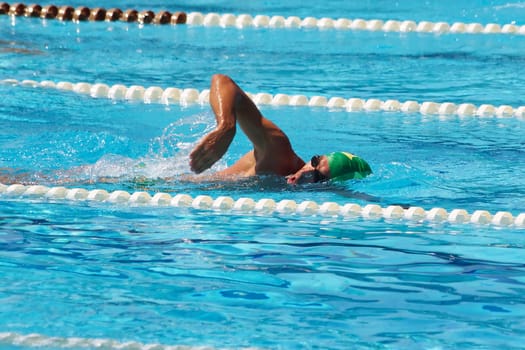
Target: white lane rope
[358,24]
[264,206]
[39,341]
[190,96]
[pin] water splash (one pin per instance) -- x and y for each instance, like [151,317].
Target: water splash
[181,135]
[167,157]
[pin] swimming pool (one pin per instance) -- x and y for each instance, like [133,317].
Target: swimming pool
[86,273]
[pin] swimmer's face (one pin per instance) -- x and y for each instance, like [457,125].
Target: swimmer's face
[316,170]
[321,171]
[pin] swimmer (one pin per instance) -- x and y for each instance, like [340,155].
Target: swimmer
[272,151]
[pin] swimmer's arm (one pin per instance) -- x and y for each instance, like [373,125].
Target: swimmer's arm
[215,144]
[231,105]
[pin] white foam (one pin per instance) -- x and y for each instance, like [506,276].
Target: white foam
[41,340]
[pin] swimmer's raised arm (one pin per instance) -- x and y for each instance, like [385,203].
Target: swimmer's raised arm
[213,146]
[272,151]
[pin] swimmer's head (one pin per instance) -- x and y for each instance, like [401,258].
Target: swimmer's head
[336,166]
[339,166]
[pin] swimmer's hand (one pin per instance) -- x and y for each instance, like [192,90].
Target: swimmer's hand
[304,175]
[211,148]
[293,179]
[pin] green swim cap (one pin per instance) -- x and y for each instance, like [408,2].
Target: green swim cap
[345,166]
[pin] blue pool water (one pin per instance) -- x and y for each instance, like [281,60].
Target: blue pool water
[181,276]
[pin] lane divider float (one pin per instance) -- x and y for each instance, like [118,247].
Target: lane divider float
[83,13]
[189,96]
[358,24]
[39,341]
[265,206]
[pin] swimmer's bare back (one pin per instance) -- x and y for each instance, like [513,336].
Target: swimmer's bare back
[272,152]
